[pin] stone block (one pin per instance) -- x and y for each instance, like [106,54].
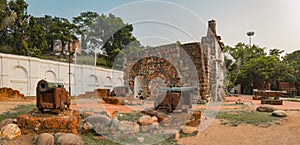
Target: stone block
[34,122]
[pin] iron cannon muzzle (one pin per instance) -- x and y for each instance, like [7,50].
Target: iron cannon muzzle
[180,89]
[44,86]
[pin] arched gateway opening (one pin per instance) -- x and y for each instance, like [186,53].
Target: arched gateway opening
[139,91]
[147,69]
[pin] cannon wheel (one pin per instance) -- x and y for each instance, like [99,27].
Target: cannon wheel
[169,108]
[156,105]
[68,103]
[41,110]
[62,106]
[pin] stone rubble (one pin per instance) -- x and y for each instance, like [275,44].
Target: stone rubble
[69,139]
[279,113]
[44,139]
[265,108]
[10,131]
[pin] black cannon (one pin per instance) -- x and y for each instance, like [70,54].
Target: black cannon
[176,98]
[51,95]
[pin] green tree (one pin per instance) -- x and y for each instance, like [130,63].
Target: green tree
[37,38]
[107,34]
[19,7]
[266,69]
[293,60]
[240,54]
[231,72]
[85,19]
[61,29]
[276,52]
[6,17]
[45,23]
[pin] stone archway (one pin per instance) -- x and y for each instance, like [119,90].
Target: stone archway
[19,79]
[50,76]
[92,82]
[139,90]
[150,68]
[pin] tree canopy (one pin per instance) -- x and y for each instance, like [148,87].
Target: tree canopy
[251,66]
[24,34]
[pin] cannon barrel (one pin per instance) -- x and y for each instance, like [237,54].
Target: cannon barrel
[180,89]
[44,86]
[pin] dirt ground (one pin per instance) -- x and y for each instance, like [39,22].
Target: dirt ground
[7,106]
[286,132]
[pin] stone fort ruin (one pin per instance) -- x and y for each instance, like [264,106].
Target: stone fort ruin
[198,64]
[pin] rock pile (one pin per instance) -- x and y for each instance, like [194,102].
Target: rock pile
[62,139]
[8,94]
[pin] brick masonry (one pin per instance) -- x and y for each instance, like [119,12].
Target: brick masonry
[36,122]
[192,64]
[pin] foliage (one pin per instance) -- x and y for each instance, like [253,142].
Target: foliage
[19,7]
[17,111]
[6,17]
[240,54]
[293,60]
[251,67]
[85,19]
[276,52]
[252,117]
[107,35]
[267,69]
[23,34]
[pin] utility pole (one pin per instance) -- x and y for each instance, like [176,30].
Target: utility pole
[69,49]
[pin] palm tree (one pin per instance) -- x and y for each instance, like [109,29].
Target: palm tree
[6,18]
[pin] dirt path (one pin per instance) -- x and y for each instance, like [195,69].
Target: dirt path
[287,133]
[7,106]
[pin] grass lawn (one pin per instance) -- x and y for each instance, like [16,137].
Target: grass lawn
[250,117]
[17,111]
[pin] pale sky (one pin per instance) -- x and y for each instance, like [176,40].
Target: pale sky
[276,23]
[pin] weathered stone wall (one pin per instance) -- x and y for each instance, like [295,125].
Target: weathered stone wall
[8,94]
[153,67]
[213,49]
[160,62]
[200,60]
[192,64]
[177,65]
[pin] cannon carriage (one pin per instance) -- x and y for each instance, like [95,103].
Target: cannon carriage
[52,96]
[175,98]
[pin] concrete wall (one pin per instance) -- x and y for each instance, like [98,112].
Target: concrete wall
[22,73]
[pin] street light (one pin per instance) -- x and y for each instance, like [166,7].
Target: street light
[69,51]
[250,34]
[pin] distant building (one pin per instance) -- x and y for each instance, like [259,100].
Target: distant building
[74,46]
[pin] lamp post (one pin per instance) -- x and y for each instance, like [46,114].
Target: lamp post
[69,50]
[250,34]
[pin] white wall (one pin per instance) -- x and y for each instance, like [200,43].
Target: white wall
[22,73]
